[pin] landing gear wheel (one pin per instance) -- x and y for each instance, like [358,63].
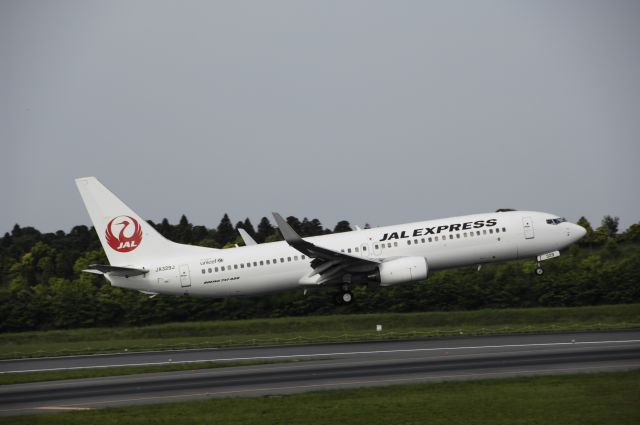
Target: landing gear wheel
[343,298]
[346,297]
[539,271]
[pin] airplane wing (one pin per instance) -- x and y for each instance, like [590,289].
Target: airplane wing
[115,271]
[327,263]
[248,240]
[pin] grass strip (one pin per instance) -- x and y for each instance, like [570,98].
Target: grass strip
[312,329]
[23,378]
[599,398]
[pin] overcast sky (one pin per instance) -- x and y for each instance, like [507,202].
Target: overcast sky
[370,111]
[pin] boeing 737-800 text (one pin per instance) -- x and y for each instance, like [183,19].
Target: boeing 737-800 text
[141,259]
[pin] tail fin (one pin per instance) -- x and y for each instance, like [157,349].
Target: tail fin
[127,239]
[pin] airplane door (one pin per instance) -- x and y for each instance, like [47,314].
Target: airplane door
[185,278]
[527,225]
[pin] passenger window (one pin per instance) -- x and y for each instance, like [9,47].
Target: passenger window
[235,266]
[342,250]
[484,232]
[222,268]
[408,242]
[282,259]
[275,261]
[295,257]
[457,235]
[248,265]
[491,231]
[216,270]
[289,259]
[450,236]
[303,257]
[242,265]
[268,262]
[497,230]
[356,249]
[261,262]
[395,244]
[349,250]
[465,234]
[376,246]
[436,239]
[364,248]
[423,241]
[209,270]
[203,272]
[504,230]
[430,239]
[478,232]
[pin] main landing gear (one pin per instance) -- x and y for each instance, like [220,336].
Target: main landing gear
[539,271]
[344,297]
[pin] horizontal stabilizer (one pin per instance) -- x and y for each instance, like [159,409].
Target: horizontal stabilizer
[115,271]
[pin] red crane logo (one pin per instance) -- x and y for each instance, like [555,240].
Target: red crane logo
[128,239]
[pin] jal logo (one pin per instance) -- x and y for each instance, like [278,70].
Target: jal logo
[128,231]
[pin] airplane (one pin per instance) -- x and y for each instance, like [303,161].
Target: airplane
[141,259]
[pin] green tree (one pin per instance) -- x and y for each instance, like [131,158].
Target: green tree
[587,226]
[295,224]
[611,223]
[342,226]
[248,227]
[311,227]
[165,229]
[225,232]
[633,233]
[183,231]
[265,229]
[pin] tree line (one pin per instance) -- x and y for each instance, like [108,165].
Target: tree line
[42,285]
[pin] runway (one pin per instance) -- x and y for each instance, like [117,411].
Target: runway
[333,366]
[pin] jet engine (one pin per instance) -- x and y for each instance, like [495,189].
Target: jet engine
[400,270]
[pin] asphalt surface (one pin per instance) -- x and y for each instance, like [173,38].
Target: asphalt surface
[333,366]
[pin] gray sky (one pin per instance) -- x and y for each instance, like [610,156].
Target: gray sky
[370,111]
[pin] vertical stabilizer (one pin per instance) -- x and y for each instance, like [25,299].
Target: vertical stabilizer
[127,239]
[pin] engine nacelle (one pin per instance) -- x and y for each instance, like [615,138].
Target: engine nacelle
[400,270]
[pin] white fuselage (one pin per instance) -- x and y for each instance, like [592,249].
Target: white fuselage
[272,267]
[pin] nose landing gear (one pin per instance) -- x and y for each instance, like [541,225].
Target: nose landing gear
[543,257]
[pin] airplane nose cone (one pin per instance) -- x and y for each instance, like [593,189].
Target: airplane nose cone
[578,231]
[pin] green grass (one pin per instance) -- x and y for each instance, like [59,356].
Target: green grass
[337,328]
[22,378]
[603,398]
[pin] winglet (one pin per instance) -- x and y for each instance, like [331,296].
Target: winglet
[248,240]
[287,231]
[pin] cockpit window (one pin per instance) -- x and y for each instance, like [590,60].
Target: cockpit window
[556,221]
